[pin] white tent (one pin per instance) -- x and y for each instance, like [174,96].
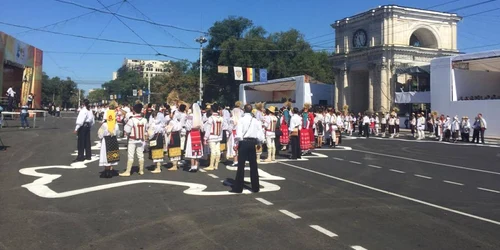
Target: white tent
[300,89]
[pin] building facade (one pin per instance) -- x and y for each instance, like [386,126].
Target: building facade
[147,67]
[370,47]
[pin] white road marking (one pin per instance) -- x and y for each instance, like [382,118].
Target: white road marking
[202,170]
[396,195]
[358,248]
[396,171]
[355,162]
[454,183]
[423,176]
[39,186]
[337,148]
[315,155]
[489,190]
[213,176]
[429,162]
[338,159]
[292,215]
[374,166]
[264,201]
[324,231]
[495,145]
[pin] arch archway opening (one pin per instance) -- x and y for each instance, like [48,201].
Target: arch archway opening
[423,38]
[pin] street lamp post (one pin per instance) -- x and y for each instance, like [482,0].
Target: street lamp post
[201,40]
[149,66]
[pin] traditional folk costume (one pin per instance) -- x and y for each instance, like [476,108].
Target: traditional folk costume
[447,129]
[420,123]
[319,121]
[157,140]
[413,125]
[396,125]
[372,125]
[328,128]
[439,127]
[194,144]
[284,125]
[377,124]
[226,116]
[295,125]
[334,128]
[109,155]
[136,128]
[236,114]
[385,118]
[174,130]
[392,124]
[465,129]
[270,123]
[455,129]
[213,137]
[259,115]
[305,133]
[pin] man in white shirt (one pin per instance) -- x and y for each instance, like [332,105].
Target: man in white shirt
[213,137]
[294,128]
[420,127]
[84,123]
[249,136]
[366,125]
[483,126]
[10,94]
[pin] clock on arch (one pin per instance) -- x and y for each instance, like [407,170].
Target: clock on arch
[359,39]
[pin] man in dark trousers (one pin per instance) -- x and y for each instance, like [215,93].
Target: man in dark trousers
[249,135]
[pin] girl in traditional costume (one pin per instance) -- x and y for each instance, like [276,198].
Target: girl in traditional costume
[236,114]
[284,123]
[109,154]
[194,145]
[305,130]
[156,140]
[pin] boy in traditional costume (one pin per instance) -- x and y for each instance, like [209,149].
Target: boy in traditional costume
[109,154]
[135,128]
[270,128]
[194,145]
[213,137]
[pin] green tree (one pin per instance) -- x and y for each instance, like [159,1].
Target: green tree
[124,84]
[97,95]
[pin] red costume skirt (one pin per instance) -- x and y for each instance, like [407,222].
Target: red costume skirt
[305,139]
[285,136]
[196,146]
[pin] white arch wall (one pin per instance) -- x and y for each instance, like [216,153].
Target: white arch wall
[445,33]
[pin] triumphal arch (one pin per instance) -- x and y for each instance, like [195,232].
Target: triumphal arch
[371,46]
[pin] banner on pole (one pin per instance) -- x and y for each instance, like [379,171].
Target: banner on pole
[134,92]
[250,74]
[111,97]
[238,74]
[223,69]
[263,75]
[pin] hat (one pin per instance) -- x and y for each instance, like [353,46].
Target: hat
[287,104]
[272,109]
[465,117]
[237,104]
[307,105]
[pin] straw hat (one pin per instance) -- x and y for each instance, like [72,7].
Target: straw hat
[287,104]
[307,105]
[272,109]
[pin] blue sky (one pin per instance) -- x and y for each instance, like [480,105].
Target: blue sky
[312,18]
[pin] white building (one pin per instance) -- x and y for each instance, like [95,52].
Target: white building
[115,75]
[300,89]
[371,46]
[147,67]
[455,79]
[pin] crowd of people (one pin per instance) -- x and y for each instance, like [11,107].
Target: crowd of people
[479,97]
[187,135]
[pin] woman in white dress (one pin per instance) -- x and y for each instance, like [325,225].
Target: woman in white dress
[194,146]
[156,134]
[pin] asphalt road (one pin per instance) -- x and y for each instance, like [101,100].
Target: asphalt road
[381,194]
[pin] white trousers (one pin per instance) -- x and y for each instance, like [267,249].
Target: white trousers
[270,143]
[135,148]
[214,148]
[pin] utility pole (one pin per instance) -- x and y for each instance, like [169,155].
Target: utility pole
[201,40]
[79,90]
[150,66]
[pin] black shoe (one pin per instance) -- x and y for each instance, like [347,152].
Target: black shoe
[77,160]
[108,174]
[236,191]
[255,190]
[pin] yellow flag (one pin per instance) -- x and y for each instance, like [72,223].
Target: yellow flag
[111,121]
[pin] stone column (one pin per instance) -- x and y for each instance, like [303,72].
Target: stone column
[385,89]
[346,93]
[371,83]
[338,83]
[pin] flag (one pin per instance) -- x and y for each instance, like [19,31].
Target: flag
[250,74]
[111,97]
[238,74]
[263,75]
[223,69]
[134,92]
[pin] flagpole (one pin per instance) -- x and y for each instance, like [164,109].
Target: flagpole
[201,40]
